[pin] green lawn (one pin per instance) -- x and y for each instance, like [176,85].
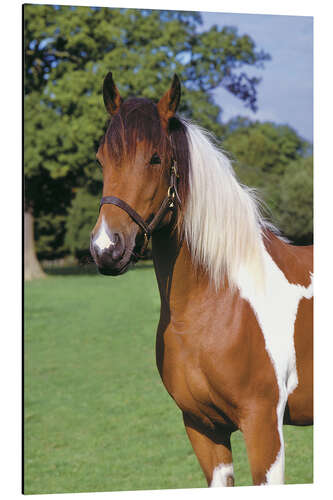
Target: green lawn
[97,417]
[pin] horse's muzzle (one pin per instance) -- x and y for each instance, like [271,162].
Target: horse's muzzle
[109,253]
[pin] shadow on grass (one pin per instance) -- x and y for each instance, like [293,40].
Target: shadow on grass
[88,268]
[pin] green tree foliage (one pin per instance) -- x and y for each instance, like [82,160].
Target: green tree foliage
[80,222]
[265,146]
[68,51]
[277,161]
[294,196]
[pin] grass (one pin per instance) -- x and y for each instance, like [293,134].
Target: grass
[97,417]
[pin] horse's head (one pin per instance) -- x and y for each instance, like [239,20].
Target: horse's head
[136,156]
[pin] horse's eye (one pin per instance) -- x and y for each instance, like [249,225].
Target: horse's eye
[155,159]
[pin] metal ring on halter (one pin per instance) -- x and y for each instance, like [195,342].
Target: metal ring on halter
[171,194]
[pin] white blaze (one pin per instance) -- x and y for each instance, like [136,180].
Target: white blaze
[102,239]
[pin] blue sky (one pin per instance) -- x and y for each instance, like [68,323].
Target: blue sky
[285,94]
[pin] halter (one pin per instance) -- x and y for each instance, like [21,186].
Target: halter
[168,203]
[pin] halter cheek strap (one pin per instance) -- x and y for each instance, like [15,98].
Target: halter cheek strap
[167,204]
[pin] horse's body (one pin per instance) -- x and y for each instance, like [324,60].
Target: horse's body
[213,360]
[234,341]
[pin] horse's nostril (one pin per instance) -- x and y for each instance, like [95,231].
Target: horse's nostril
[118,248]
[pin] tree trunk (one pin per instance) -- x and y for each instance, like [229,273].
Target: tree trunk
[32,268]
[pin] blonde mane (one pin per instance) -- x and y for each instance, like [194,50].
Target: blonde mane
[222,222]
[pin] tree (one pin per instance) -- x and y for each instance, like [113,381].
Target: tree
[81,220]
[295,195]
[68,51]
[277,161]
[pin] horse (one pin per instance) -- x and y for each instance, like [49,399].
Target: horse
[234,342]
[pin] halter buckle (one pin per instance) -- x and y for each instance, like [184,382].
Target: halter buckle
[145,244]
[173,169]
[146,240]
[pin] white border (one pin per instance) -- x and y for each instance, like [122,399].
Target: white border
[11,243]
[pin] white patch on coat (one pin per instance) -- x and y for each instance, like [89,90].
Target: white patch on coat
[275,474]
[275,306]
[102,239]
[221,474]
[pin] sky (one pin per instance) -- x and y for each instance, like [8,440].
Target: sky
[285,94]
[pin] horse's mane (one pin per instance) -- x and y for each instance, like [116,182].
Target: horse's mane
[221,221]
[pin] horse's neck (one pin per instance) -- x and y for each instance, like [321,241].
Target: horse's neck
[178,279]
[165,254]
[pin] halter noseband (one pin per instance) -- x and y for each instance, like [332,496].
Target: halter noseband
[167,204]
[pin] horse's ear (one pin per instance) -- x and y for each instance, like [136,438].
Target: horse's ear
[168,104]
[111,96]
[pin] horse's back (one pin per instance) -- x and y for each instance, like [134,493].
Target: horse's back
[296,262]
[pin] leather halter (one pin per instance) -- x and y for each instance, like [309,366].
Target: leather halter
[167,204]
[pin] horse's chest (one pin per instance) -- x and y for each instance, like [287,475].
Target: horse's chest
[184,377]
[185,383]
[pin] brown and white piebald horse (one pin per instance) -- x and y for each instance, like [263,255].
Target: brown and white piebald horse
[234,340]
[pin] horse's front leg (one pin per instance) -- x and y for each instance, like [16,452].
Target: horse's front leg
[263,434]
[215,457]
